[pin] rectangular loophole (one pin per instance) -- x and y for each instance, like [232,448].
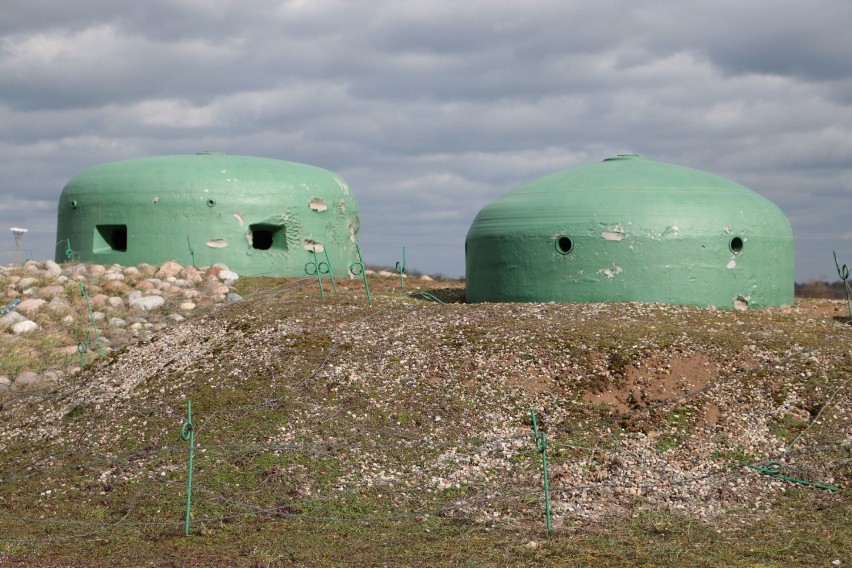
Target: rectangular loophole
[266,237]
[110,238]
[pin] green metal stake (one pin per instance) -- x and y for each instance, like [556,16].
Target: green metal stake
[83,348]
[92,318]
[191,252]
[330,271]
[357,268]
[541,445]
[773,469]
[187,433]
[844,275]
[401,268]
[318,269]
[69,252]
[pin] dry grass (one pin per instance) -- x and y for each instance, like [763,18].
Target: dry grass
[331,433]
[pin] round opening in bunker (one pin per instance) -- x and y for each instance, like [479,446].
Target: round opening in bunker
[736,245]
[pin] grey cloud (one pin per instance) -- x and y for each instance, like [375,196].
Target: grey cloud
[431,110]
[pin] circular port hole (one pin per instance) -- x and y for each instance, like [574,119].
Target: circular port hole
[211,202]
[564,245]
[73,204]
[736,245]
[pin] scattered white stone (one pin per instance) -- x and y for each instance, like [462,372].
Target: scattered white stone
[228,277]
[68,320]
[25,326]
[187,306]
[233,298]
[176,317]
[98,316]
[147,303]
[117,322]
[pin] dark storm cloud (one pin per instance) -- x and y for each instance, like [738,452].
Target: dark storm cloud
[431,110]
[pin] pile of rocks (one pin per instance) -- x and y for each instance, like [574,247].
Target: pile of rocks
[127,303]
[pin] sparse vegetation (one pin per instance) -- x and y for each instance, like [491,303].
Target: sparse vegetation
[331,433]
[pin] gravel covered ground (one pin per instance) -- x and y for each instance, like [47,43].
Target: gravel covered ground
[333,411]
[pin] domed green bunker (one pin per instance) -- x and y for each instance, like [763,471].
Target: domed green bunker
[631,229]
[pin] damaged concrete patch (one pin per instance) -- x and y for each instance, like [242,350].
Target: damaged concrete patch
[610,272]
[741,303]
[217,243]
[613,235]
[311,244]
[317,204]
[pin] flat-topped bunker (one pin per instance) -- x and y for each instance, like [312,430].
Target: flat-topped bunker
[257,215]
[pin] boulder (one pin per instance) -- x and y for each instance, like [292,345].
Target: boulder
[97,270]
[51,291]
[147,269]
[52,268]
[11,319]
[169,268]
[31,306]
[25,326]
[26,379]
[58,305]
[228,277]
[116,287]
[25,283]
[147,303]
[191,274]
[75,269]
[115,302]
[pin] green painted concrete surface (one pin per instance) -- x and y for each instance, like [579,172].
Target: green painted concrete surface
[631,229]
[257,215]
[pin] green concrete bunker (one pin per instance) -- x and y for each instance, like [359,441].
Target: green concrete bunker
[257,215]
[630,229]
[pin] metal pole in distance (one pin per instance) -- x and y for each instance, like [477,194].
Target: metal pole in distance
[85,294]
[19,233]
[358,269]
[541,445]
[401,269]
[844,275]
[187,433]
[317,268]
[330,271]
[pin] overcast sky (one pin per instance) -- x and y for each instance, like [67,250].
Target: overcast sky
[431,109]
